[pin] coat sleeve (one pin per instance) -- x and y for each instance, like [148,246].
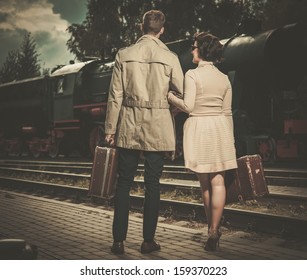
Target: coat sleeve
[176,81]
[226,108]
[188,102]
[115,98]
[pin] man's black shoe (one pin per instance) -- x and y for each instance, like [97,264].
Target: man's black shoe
[118,248]
[148,247]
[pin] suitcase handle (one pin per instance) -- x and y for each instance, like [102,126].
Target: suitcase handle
[111,137]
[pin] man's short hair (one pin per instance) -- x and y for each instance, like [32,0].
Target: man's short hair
[153,21]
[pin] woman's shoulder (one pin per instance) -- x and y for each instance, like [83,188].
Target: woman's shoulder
[221,74]
[191,73]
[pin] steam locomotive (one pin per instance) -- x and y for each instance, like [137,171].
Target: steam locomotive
[55,114]
[65,111]
[269,80]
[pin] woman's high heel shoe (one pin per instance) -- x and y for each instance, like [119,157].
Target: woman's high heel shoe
[219,233]
[213,241]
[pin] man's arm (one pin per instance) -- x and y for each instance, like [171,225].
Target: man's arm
[115,99]
[176,82]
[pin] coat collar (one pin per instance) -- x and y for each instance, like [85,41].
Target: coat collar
[148,37]
[205,63]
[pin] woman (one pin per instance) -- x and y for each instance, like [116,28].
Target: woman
[208,140]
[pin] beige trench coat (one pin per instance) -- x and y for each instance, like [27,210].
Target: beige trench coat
[138,111]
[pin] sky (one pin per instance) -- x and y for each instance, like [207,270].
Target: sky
[47,20]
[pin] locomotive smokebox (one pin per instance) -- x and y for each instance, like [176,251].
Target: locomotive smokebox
[280,53]
[183,49]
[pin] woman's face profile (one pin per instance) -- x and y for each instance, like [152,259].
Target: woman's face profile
[195,51]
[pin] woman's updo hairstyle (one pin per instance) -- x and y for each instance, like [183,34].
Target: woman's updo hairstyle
[209,47]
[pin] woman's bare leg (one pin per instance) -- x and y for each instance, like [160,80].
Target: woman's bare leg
[218,198]
[206,194]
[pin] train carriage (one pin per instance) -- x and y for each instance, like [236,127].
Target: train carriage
[25,115]
[57,113]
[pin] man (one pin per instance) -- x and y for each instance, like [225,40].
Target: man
[138,114]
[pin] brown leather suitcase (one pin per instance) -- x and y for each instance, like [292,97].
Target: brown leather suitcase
[247,182]
[104,173]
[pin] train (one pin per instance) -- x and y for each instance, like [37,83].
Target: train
[65,111]
[269,80]
[55,114]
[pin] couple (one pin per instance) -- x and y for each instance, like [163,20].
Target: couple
[147,78]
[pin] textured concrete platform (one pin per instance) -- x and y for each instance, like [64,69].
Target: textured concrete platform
[68,231]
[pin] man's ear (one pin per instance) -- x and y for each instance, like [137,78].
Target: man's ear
[161,31]
[142,27]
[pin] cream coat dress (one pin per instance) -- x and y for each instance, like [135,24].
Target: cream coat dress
[208,140]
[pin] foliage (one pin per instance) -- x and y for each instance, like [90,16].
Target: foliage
[28,59]
[111,24]
[9,67]
[22,63]
[281,12]
[226,17]
[129,13]
[98,33]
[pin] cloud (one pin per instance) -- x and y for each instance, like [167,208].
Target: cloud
[75,15]
[47,28]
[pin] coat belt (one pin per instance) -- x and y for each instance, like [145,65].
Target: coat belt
[160,104]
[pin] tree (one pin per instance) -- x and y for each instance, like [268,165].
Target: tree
[129,16]
[22,63]
[227,16]
[282,12]
[111,24]
[98,33]
[10,67]
[28,59]
[182,18]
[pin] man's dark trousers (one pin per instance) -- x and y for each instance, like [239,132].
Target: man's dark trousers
[127,165]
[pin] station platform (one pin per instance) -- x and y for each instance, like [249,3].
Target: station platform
[66,231]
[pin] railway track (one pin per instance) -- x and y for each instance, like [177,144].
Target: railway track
[274,176]
[280,213]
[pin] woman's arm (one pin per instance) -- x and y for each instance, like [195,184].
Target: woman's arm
[226,108]
[187,103]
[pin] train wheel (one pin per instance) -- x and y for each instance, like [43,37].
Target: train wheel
[3,152]
[67,146]
[35,152]
[267,149]
[17,148]
[54,149]
[96,138]
[83,144]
